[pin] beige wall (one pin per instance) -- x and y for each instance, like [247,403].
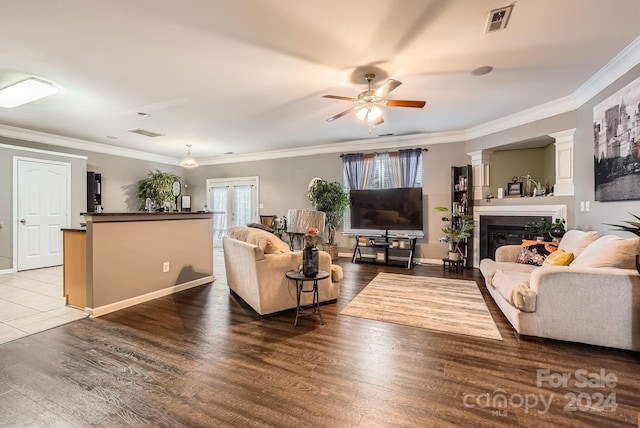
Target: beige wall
[124,259]
[506,164]
[436,187]
[283,182]
[283,186]
[119,181]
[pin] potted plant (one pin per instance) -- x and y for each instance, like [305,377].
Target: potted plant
[631,227]
[557,230]
[157,188]
[332,199]
[455,234]
[540,228]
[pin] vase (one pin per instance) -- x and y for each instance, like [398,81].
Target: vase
[310,261]
[557,232]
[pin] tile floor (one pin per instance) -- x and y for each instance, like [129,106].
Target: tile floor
[31,301]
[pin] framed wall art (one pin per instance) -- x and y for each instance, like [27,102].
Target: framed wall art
[616,156]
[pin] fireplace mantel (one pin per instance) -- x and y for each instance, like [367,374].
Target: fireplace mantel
[553,211]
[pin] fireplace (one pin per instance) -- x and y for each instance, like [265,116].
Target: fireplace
[504,224]
[496,231]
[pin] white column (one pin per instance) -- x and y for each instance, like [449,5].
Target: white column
[480,170]
[564,163]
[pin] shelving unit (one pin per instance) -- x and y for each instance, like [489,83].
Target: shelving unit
[94,191]
[461,201]
[385,249]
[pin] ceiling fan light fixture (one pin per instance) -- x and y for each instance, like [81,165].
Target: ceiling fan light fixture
[362,113]
[188,161]
[374,113]
[369,112]
[26,91]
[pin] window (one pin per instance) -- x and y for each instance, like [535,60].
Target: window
[380,171]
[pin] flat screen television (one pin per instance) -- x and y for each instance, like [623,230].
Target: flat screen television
[387,209]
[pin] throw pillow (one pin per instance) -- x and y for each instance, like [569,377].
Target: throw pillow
[574,241]
[260,226]
[268,242]
[534,252]
[558,258]
[609,251]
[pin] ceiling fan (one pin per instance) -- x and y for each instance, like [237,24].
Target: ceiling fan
[368,102]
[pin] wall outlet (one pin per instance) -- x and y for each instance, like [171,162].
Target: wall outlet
[165,267]
[581,205]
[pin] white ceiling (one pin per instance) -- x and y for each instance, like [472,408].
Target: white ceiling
[247,76]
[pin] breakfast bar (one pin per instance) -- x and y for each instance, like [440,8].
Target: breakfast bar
[130,258]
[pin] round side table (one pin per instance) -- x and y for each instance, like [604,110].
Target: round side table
[300,279]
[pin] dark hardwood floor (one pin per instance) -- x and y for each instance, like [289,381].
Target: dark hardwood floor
[202,358]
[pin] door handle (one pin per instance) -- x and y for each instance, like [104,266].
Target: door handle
[23,221]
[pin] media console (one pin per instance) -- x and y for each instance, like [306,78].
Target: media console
[385,249]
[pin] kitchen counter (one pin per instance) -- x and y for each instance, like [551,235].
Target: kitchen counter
[134,257]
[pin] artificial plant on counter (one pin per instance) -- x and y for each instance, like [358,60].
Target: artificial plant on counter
[156,187]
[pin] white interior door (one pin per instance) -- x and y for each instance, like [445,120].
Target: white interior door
[234,203]
[43,208]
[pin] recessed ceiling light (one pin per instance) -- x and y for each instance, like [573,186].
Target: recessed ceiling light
[480,71]
[25,92]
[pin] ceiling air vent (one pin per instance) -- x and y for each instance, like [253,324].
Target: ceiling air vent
[498,19]
[145,132]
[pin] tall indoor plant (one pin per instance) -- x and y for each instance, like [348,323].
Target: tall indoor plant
[455,232]
[332,199]
[157,188]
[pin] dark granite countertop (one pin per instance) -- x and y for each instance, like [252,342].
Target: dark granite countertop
[147,213]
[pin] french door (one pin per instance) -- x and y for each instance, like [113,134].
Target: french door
[234,202]
[43,208]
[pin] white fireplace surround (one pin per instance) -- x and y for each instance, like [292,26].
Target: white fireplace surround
[554,211]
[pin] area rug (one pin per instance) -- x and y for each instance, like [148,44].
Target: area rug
[450,305]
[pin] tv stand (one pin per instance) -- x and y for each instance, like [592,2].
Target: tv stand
[391,250]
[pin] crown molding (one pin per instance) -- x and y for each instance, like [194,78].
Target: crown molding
[378,143]
[628,58]
[543,111]
[45,152]
[76,143]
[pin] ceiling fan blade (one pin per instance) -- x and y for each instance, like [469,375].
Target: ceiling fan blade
[387,87]
[339,115]
[405,103]
[338,97]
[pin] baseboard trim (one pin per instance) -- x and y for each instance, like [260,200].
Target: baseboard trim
[112,307]
[6,271]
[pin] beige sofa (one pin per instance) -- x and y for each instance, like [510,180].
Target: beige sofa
[594,300]
[256,262]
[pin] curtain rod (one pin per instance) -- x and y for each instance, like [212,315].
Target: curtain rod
[378,153]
